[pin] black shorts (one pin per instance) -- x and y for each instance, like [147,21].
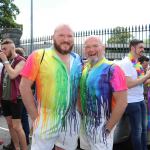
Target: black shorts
[12,109]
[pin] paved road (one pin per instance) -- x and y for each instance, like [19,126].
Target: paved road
[4,132]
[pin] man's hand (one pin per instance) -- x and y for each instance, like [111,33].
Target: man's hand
[148,73]
[3,56]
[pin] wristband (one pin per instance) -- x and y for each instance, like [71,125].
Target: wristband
[6,62]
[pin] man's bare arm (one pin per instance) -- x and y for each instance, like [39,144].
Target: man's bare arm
[27,97]
[13,73]
[134,82]
[147,81]
[117,112]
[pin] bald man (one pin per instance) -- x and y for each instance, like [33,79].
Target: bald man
[100,81]
[56,71]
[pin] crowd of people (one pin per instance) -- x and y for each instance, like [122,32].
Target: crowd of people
[73,100]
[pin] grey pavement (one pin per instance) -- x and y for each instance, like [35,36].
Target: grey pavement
[4,133]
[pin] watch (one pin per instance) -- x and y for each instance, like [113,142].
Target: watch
[6,62]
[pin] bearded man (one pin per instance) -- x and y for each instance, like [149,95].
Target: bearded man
[11,99]
[56,71]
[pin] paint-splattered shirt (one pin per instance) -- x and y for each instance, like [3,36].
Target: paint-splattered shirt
[97,85]
[56,87]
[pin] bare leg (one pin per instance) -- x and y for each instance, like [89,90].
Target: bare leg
[20,132]
[12,132]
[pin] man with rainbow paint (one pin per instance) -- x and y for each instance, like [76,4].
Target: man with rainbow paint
[57,72]
[136,109]
[103,93]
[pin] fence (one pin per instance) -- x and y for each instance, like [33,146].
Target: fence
[116,40]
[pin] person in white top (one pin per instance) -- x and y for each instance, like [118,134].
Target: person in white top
[1,66]
[136,109]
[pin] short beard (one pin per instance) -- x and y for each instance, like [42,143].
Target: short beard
[9,56]
[93,61]
[58,48]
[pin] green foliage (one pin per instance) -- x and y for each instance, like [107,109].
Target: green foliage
[147,41]
[119,35]
[8,13]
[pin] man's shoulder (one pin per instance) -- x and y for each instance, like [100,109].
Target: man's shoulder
[39,51]
[126,66]
[125,62]
[125,59]
[18,59]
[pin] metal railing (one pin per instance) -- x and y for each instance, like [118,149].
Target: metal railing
[116,40]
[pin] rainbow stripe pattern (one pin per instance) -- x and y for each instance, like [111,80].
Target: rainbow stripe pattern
[57,89]
[97,85]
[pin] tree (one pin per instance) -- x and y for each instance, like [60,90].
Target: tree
[8,13]
[147,41]
[120,35]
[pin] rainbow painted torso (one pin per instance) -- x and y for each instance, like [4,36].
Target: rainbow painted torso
[97,85]
[56,88]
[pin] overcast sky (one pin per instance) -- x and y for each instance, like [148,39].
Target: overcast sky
[81,14]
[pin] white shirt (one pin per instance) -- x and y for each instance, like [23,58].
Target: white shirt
[1,66]
[135,94]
